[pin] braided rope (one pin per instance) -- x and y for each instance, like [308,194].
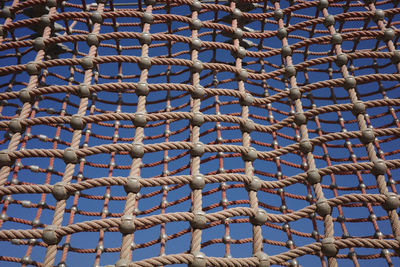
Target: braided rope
[207,133]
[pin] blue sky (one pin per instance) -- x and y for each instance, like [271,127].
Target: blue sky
[266,170]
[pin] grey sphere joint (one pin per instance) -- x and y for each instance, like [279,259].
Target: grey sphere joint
[367,136]
[227,239]
[147,18]
[195,24]
[127,224]
[199,260]
[263,259]
[247,126]
[195,44]
[70,156]
[379,167]
[132,185]
[349,82]
[246,100]
[289,243]
[197,150]
[300,118]
[197,119]
[328,247]
[83,90]
[49,235]
[294,93]
[32,68]
[45,21]
[254,185]
[36,223]
[140,119]
[87,63]
[197,182]
[315,234]
[59,191]
[278,14]
[26,260]
[313,176]
[197,66]
[290,71]
[92,40]
[385,252]
[341,60]
[259,217]
[323,4]
[358,108]
[392,201]
[144,63]
[137,150]
[5,159]
[195,6]
[237,33]
[306,146]
[39,44]
[198,92]
[236,14]
[286,51]
[145,38]
[388,35]
[336,39]
[15,126]
[96,17]
[282,33]
[142,89]
[6,13]
[239,53]
[323,208]
[4,216]
[77,122]
[395,57]
[243,75]
[329,21]
[250,154]
[379,14]
[199,220]
[293,263]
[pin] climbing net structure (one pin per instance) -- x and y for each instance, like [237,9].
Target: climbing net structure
[197,132]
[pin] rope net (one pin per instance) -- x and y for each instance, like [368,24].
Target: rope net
[207,133]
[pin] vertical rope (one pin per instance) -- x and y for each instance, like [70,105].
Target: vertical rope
[130,204]
[27,106]
[328,222]
[195,244]
[393,217]
[69,169]
[246,140]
